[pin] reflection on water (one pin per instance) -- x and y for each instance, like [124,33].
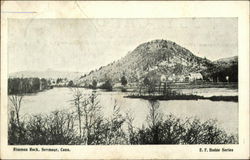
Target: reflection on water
[60,98]
[208,92]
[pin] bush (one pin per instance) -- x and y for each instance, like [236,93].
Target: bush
[53,129]
[71,83]
[124,81]
[107,85]
[59,128]
[94,84]
[176,131]
[124,89]
[16,134]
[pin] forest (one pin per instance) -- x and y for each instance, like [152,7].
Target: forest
[27,85]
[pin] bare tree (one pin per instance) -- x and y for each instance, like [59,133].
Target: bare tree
[130,120]
[154,115]
[87,110]
[91,114]
[115,134]
[16,101]
[154,118]
[114,116]
[78,96]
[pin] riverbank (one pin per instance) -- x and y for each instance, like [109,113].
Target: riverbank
[131,87]
[231,85]
[184,97]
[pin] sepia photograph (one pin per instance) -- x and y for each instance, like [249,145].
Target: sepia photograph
[122,81]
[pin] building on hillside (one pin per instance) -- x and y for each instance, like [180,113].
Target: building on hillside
[99,84]
[163,78]
[171,78]
[191,77]
[174,78]
[52,82]
[181,78]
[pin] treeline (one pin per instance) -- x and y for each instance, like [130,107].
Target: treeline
[220,73]
[108,84]
[85,124]
[27,85]
[230,71]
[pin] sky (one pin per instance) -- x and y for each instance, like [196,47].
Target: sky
[85,44]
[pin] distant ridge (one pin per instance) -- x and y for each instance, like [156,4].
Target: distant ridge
[227,60]
[47,74]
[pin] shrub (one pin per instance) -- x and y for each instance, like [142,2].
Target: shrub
[176,131]
[124,89]
[71,83]
[107,85]
[59,128]
[16,134]
[53,129]
[124,81]
[94,84]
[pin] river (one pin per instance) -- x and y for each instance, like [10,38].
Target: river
[226,113]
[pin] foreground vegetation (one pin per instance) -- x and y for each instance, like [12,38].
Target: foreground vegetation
[85,124]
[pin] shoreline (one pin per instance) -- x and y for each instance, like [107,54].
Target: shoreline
[184,97]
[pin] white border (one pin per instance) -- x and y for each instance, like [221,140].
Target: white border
[125,9]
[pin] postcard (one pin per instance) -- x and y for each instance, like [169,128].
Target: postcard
[124,80]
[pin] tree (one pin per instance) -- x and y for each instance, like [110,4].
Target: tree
[13,86]
[16,100]
[124,81]
[114,131]
[91,115]
[44,83]
[154,118]
[94,84]
[36,84]
[146,81]
[88,114]
[131,132]
[58,80]
[107,85]
[150,85]
[77,95]
[71,83]
[154,115]
[178,68]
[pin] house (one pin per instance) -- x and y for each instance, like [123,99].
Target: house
[52,82]
[163,78]
[193,77]
[181,78]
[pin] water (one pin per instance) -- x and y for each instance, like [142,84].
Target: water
[208,92]
[60,98]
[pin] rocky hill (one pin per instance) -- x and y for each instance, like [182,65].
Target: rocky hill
[151,59]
